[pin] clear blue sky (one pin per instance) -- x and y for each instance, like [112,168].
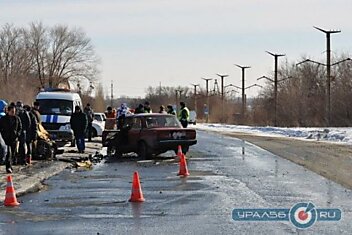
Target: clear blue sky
[145,42]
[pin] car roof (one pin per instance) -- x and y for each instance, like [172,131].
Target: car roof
[58,96]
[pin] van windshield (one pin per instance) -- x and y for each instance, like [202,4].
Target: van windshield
[58,107]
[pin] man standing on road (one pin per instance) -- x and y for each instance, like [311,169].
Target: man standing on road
[31,134]
[26,128]
[90,116]
[79,123]
[183,115]
[10,129]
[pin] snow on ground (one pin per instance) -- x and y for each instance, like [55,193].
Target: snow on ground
[341,135]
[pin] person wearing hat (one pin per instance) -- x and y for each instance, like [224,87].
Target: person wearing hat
[183,115]
[79,123]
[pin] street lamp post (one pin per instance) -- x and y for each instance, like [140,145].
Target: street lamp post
[243,68]
[195,96]
[276,57]
[207,94]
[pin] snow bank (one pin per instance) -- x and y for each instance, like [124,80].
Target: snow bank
[337,135]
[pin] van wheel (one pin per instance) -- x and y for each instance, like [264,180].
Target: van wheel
[94,133]
[143,152]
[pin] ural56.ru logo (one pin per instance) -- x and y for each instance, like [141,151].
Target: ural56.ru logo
[302,215]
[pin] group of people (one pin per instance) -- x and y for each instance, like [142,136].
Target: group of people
[123,111]
[18,133]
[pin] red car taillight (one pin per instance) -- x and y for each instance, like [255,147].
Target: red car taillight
[191,135]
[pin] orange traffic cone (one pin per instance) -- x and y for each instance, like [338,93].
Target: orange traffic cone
[10,197]
[136,195]
[183,167]
[179,152]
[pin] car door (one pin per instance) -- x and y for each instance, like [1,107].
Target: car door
[134,134]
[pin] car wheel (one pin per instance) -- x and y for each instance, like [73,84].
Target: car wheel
[143,151]
[185,149]
[110,151]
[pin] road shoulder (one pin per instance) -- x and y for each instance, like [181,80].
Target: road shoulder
[29,179]
[332,161]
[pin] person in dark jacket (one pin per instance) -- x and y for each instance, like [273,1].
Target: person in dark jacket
[79,123]
[183,115]
[10,129]
[26,128]
[170,110]
[90,116]
[31,134]
[36,112]
[139,109]
[147,108]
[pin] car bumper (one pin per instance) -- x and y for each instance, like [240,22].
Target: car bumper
[61,135]
[173,144]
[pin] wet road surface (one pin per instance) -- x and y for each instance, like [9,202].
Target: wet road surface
[222,178]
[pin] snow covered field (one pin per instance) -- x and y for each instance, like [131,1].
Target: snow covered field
[341,135]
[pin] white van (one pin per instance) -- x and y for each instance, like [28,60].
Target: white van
[56,108]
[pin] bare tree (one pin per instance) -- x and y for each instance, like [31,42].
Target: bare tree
[38,44]
[10,47]
[70,57]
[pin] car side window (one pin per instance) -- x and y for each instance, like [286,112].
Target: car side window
[136,123]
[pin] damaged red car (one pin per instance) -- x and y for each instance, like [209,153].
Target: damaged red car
[149,135]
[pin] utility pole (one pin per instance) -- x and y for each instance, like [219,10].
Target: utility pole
[222,76]
[276,56]
[195,96]
[207,94]
[328,73]
[111,93]
[243,68]
[159,89]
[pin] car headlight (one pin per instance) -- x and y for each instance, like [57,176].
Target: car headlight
[66,127]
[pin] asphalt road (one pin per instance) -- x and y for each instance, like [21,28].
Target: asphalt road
[222,178]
